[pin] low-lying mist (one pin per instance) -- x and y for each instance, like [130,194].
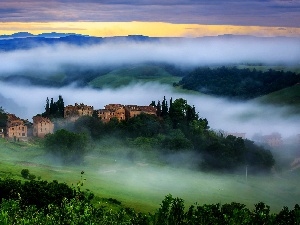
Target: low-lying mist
[181,52]
[144,179]
[222,114]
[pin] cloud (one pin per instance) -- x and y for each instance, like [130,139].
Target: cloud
[181,52]
[233,12]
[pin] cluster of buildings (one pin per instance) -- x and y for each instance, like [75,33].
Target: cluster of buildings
[20,129]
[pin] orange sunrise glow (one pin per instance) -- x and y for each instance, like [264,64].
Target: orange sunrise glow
[152,29]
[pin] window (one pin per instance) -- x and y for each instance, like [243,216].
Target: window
[23,128]
[23,134]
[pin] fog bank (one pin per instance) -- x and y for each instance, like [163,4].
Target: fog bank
[181,52]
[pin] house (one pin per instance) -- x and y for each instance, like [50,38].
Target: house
[123,112]
[111,111]
[15,127]
[42,126]
[273,140]
[74,112]
[134,110]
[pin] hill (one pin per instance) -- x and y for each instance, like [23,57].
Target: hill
[134,74]
[235,83]
[286,97]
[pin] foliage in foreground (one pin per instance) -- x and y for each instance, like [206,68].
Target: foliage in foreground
[71,209]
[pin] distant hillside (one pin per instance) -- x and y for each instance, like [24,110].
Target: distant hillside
[134,74]
[237,83]
[286,97]
[25,40]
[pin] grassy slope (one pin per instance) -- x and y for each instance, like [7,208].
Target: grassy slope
[285,97]
[134,74]
[143,185]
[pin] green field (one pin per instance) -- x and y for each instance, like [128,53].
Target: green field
[285,97]
[134,74]
[142,184]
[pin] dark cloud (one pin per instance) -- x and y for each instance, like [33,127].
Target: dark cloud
[231,12]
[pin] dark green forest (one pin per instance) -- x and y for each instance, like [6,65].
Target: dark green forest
[237,83]
[176,128]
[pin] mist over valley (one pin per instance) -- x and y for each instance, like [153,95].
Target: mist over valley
[137,72]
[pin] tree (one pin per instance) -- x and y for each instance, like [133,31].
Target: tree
[3,117]
[54,109]
[176,141]
[164,108]
[158,109]
[25,173]
[177,111]
[47,108]
[68,145]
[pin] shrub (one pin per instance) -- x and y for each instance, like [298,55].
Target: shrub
[31,176]
[25,173]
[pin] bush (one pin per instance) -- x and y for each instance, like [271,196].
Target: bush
[31,177]
[70,146]
[25,173]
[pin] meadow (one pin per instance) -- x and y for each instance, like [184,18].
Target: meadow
[143,183]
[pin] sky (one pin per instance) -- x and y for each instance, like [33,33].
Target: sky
[162,18]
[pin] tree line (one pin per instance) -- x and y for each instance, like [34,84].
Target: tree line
[237,83]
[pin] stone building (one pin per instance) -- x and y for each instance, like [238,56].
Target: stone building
[134,110]
[273,140]
[15,127]
[42,126]
[123,112]
[111,111]
[74,112]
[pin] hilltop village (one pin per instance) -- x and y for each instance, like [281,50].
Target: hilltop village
[42,124]
[21,129]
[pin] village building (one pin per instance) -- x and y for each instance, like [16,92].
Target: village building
[273,140]
[74,112]
[15,127]
[42,126]
[134,110]
[111,111]
[123,112]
